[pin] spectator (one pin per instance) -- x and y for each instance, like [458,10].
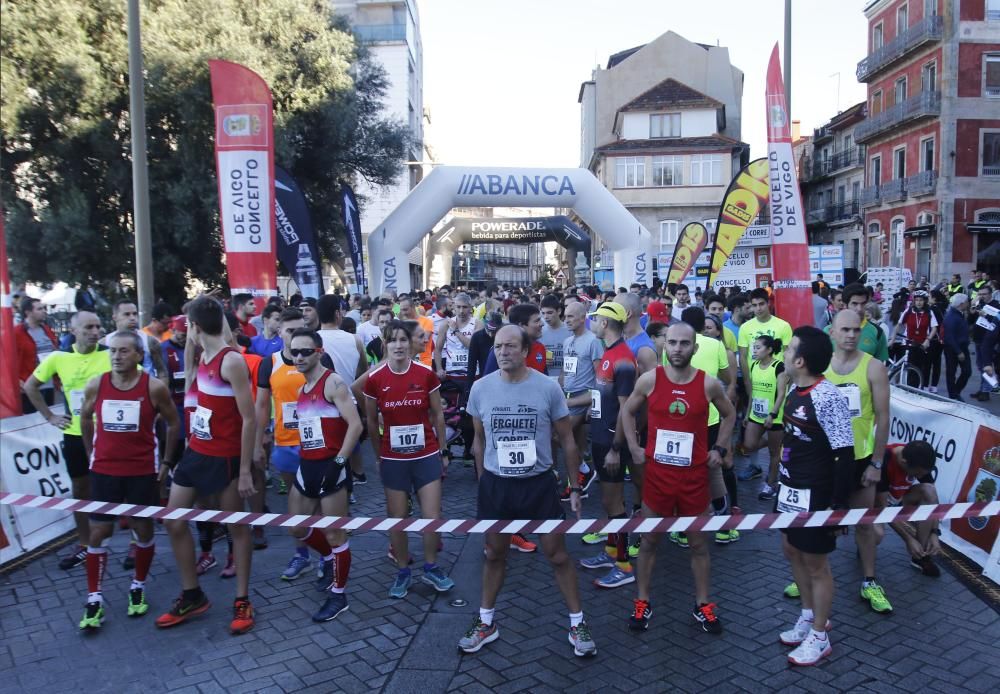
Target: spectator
[821,317]
[34,341]
[956,346]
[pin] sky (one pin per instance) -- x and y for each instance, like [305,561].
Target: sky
[502,77]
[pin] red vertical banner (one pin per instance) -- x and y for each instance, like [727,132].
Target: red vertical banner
[10,389]
[790,252]
[244,157]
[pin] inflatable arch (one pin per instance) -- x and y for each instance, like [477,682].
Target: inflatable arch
[459,186]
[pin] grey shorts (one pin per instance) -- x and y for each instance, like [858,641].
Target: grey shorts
[580,410]
[410,475]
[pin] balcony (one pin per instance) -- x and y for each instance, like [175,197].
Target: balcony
[372,33]
[844,159]
[894,190]
[871,196]
[924,183]
[822,134]
[820,215]
[924,31]
[922,105]
[846,210]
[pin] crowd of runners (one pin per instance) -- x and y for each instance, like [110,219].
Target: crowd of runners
[664,398]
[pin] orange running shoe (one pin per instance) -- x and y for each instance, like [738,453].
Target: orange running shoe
[182,611]
[242,617]
[521,543]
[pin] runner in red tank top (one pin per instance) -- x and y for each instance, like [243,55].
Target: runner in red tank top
[329,428]
[121,448]
[677,461]
[217,461]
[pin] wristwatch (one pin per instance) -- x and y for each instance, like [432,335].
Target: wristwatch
[616,447]
[877,464]
[444,452]
[774,415]
[340,460]
[720,450]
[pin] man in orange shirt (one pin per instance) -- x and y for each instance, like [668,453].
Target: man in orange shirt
[408,312]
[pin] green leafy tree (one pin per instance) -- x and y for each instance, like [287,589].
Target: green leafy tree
[546,279]
[65,174]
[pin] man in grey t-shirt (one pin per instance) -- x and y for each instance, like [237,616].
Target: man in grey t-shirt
[554,334]
[582,351]
[515,411]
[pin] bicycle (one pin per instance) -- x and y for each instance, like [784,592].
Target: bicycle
[901,371]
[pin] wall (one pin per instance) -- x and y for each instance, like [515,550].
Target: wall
[970,67]
[911,139]
[967,145]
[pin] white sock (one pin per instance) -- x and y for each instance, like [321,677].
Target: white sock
[575,618]
[584,468]
[808,615]
[486,616]
[95,597]
[821,635]
[137,585]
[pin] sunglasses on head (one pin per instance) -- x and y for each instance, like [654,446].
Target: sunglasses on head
[304,352]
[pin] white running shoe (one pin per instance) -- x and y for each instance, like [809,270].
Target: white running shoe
[812,650]
[798,633]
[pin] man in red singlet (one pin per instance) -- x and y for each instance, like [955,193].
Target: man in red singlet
[121,447]
[217,461]
[678,458]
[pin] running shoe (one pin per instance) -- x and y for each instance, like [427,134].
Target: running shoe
[351,499]
[601,561]
[564,495]
[798,633]
[242,617]
[478,635]
[767,492]
[706,617]
[616,577]
[641,612]
[437,579]
[392,557]
[360,478]
[128,563]
[296,566]
[633,549]
[334,605]
[725,537]
[594,538]
[751,473]
[401,586]
[792,590]
[875,595]
[810,651]
[582,641]
[926,566]
[230,569]
[93,616]
[282,487]
[587,479]
[679,539]
[522,544]
[325,576]
[259,539]
[182,611]
[137,605]
[206,561]
[74,560]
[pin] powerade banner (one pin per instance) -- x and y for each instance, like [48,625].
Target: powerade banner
[244,157]
[792,295]
[690,243]
[297,248]
[352,227]
[561,229]
[740,206]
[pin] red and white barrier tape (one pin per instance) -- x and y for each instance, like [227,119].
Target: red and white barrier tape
[749,521]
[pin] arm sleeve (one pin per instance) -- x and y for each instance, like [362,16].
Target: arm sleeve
[264,374]
[834,418]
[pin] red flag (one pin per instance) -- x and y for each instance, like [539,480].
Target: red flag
[244,157]
[789,252]
[10,389]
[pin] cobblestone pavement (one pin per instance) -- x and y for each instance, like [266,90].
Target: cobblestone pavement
[940,637]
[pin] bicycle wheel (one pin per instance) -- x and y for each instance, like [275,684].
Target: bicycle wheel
[906,375]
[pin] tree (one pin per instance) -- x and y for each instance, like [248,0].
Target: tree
[65,175]
[546,279]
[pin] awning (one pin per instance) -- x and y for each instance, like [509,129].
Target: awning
[921,230]
[993,229]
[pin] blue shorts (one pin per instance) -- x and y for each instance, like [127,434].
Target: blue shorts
[285,458]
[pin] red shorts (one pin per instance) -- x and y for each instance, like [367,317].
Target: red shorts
[670,491]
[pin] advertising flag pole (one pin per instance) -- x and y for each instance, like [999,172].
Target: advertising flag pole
[140,177]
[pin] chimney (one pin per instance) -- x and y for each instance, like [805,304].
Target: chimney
[796,128]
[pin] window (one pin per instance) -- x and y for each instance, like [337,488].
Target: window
[665,125]
[991,75]
[630,172]
[709,225]
[991,153]
[899,91]
[855,192]
[877,37]
[668,235]
[848,143]
[841,194]
[902,20]
[876,178]
[927,154]
[993,10]
[928,77]
[896,241]
[706,170]
[899,163]
[668,171]
[876,103]
[930,8]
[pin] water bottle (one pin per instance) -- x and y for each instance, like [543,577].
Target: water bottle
[306,273]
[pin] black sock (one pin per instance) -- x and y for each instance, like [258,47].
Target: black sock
[206,530]
[192,594]
[243,598]
[869,579]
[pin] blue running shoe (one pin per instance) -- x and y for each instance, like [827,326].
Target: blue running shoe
[401,586]
[436,577]
[751,473]
[601,561]
[334,605]
[325,576]
[616,577]
[296,565]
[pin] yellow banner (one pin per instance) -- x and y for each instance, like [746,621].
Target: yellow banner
[740,206]
[692,241]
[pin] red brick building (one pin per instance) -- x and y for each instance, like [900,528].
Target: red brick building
[931,200]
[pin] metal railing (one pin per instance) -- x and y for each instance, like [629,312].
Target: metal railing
[847,158]
[820,215]
[894,190]
[380,32]
[924,183]
[871,196]
[823,133]
[927,29]
[919,106]
[991,171]
[847,209]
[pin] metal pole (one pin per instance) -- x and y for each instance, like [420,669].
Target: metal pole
[140,179]
[788,59]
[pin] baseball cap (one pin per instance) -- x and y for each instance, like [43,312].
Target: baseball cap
[657,312]
[494,321]
[308,301]
[610,309]
[179,323]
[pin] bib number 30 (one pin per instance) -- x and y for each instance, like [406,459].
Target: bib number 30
[516,458]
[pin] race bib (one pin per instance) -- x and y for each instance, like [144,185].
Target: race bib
[120,415]
[460,358]
[516,458]
[75,402]
[290,415]
[853,394]
[760,407]
[986,323]
[569,365]
[595,404]
[311,433]
[792,500]
[201,423]
[406,439]
[673,447]
[179,376]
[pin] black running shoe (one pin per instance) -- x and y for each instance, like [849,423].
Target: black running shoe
[74,560]
[639,621]
[706,617]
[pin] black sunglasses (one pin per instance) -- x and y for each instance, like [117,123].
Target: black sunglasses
[305,352]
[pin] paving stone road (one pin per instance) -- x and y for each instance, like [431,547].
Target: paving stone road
[941,637]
